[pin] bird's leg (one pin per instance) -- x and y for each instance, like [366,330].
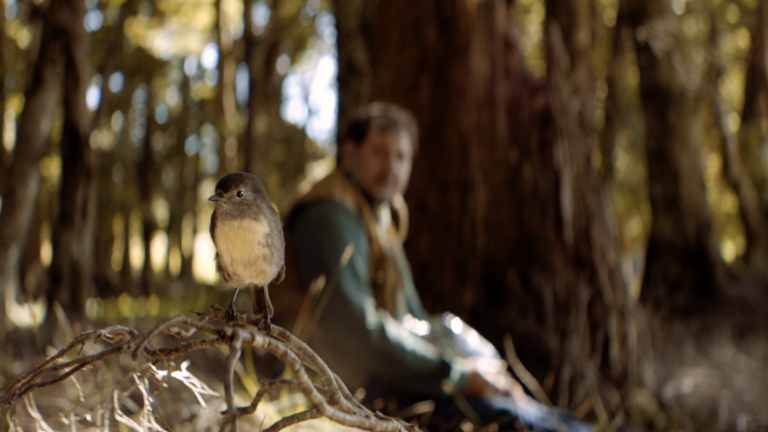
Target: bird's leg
[231,308]
[262,305]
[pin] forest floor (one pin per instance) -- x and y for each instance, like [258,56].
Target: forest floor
[711,370]
[712,366]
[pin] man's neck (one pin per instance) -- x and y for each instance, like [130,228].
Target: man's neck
[375,204]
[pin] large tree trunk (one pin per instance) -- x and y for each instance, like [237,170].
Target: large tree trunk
[73,235]
[42,97]
[683,265]
[508,223]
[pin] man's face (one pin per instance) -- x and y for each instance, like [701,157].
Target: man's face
[381,164]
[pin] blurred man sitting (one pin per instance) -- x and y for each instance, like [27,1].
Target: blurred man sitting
[370,321]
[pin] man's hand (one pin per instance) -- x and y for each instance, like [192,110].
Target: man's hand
[479,386]
[487,377]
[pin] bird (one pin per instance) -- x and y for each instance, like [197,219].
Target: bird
[248,234]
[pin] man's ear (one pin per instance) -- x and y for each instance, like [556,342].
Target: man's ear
[347,153]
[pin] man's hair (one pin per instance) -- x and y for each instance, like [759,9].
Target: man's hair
[382,116]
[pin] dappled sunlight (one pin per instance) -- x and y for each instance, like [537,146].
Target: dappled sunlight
[158,251]
[182,32]
[46,249]
[310,88]
[136,241]
[203,260]
[530,16]
[25,315]
[118,245]
[723,201]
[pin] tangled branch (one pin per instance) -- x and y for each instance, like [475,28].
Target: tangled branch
[332,400]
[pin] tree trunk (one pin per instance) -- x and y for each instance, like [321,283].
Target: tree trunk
[147,180]
[4,63]
[255,153]
[73,235]
[42,97]
[735,174]
[504,166]
[614,109]
[227,113]
[745,150]
[184,189]
[354,24]
[683,266]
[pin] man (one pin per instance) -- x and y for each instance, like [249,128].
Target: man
[361,330]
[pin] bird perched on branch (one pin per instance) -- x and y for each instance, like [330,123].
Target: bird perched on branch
[248,235]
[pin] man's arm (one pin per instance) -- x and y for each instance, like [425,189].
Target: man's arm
[361,343]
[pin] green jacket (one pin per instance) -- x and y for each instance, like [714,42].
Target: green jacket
[363,343]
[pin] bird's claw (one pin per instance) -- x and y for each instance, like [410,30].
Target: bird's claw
[267,322]
[231,315]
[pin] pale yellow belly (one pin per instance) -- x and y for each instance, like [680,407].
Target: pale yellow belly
[244,253]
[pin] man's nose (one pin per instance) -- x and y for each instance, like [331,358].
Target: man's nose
[391,163]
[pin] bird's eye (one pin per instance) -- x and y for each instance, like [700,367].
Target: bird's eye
[240,194]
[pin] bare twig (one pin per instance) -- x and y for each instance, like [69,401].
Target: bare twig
[522,373]
[333,400]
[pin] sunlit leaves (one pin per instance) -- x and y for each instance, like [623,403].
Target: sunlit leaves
[198,16]
[177,28]
[530,16]
[19,32]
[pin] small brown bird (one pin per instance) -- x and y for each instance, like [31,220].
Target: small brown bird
[248,235]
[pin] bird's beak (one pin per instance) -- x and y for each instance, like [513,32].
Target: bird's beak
[217,199]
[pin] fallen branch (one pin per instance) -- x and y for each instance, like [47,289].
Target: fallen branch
[332,400]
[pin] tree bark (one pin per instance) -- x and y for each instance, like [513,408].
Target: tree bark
[354,25]
[617,69]
[683,266]
[42,97]
[73,235]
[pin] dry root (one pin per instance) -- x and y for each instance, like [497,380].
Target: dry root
[332,400]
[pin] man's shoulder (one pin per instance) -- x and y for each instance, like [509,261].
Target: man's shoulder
[322,211]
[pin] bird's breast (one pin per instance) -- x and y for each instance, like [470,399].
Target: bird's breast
[246,252]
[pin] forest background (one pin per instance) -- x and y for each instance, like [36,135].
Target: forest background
[591,176]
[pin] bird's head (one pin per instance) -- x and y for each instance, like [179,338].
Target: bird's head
[240,195]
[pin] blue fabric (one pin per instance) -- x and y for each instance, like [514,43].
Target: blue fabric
[447,417]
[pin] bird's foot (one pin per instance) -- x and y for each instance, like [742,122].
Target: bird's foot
[231,313]
[267,321]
